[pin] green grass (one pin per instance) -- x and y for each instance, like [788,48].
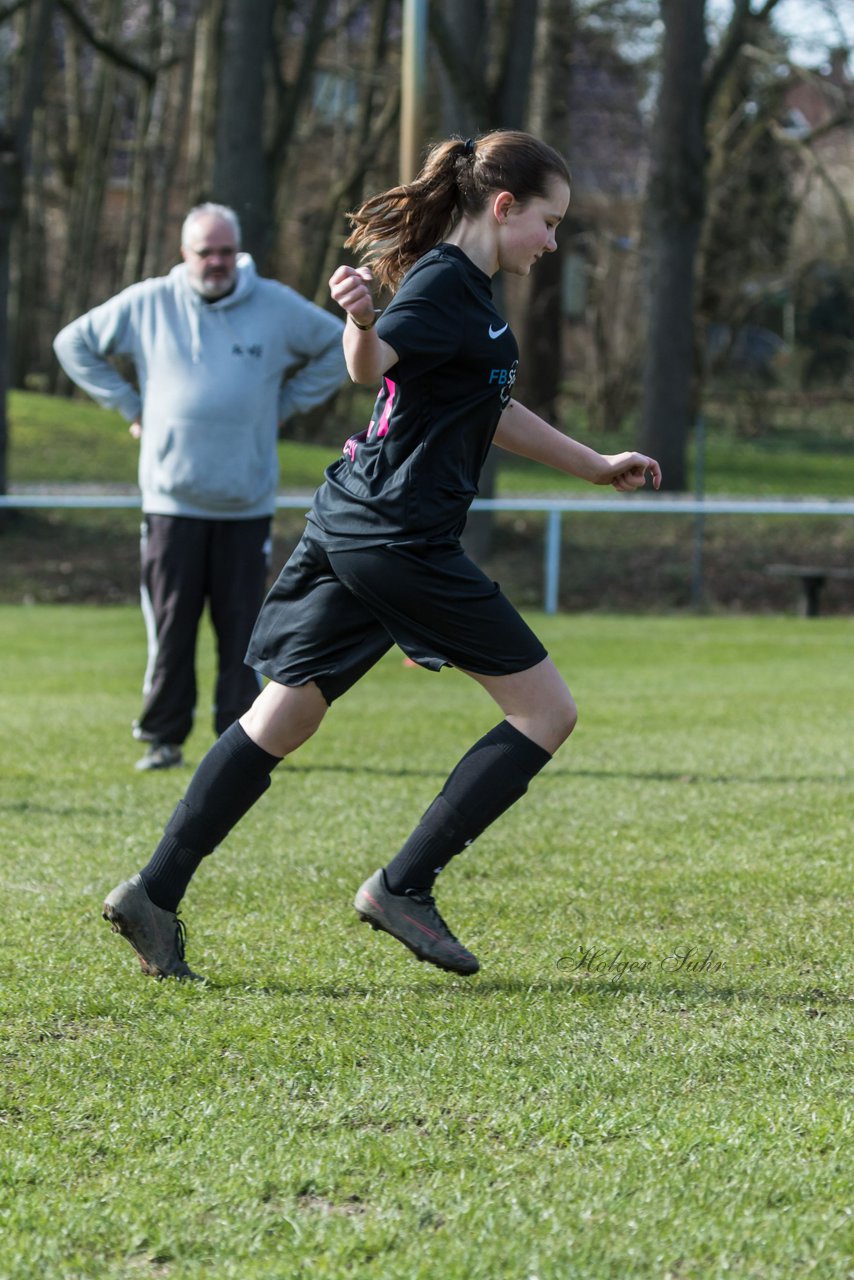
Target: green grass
[326,1107]
[60,440]
[55,440]
[789,460]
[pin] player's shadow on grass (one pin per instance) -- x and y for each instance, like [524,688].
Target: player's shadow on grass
[607,989]
[688,778]
[593,990]
[555,773]
[52,810]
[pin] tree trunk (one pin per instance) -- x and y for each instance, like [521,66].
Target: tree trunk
[240,166]
[10,203]
[172,103]
[202,116]
[28,340]
[541,360]
[674,217]
[15,131]
[512,91]
[88,183]
[140,179]
[507,99]
[459,32]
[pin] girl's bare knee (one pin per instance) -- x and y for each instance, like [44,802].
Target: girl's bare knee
[550,724]
[283,717]
[565,718]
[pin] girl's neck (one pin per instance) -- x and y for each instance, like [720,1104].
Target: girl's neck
[474,238]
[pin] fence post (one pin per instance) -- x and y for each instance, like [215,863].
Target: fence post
[552,565]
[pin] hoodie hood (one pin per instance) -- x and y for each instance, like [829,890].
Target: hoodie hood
[196,306]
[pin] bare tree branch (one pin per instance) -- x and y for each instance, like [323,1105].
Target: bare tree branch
[368,150]
[384,122]
[293,95]
[845,110]
[802,146]
[832,11]
[820,130]
[734,38]
[9,10]
[726,53]
[113,51]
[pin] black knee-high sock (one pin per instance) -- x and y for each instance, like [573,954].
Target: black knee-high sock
[232,776]
[487,781]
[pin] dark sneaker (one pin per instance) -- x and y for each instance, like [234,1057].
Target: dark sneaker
[157,936]
[413,919]
[160,755]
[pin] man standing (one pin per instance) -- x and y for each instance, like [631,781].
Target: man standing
[222,356]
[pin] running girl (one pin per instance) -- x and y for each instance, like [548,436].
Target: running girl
[380,562]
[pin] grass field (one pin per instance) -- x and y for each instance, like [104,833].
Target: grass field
[56,440]
[651,1076]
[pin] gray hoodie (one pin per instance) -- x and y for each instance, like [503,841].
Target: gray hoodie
[215,380]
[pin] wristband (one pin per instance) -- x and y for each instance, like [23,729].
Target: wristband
[365,327]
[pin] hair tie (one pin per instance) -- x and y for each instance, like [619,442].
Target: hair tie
[468,149]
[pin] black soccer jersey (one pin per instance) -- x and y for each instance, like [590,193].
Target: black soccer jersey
[414,471]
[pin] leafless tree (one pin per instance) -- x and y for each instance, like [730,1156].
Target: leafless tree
[21,93]
[541,360]
[485,93]
[675,208]
[240,175]
[675,211]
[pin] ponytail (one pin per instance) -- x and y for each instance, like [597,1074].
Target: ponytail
[396,228]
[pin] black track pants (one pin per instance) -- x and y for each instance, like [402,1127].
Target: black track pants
[186,563]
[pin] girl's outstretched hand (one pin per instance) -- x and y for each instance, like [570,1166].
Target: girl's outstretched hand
[351,289]
[628,471]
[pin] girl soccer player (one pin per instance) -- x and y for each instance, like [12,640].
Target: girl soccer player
[380,561]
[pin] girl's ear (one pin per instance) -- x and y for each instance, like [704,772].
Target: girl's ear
[501,205]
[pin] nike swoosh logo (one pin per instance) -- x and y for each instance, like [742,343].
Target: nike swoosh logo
[496,333]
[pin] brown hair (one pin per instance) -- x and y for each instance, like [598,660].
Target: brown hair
[394,229]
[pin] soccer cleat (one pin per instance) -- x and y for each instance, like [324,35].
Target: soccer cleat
[157,936]
[413,919]
[160,755]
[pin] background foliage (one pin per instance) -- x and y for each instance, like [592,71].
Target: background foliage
[120,114]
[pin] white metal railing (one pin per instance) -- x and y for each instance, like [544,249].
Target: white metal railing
[554,508]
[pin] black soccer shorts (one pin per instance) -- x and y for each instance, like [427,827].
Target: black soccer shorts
[332,614]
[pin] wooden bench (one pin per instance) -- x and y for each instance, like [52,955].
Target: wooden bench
[812,579]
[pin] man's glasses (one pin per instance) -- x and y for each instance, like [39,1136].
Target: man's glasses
[224,251]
